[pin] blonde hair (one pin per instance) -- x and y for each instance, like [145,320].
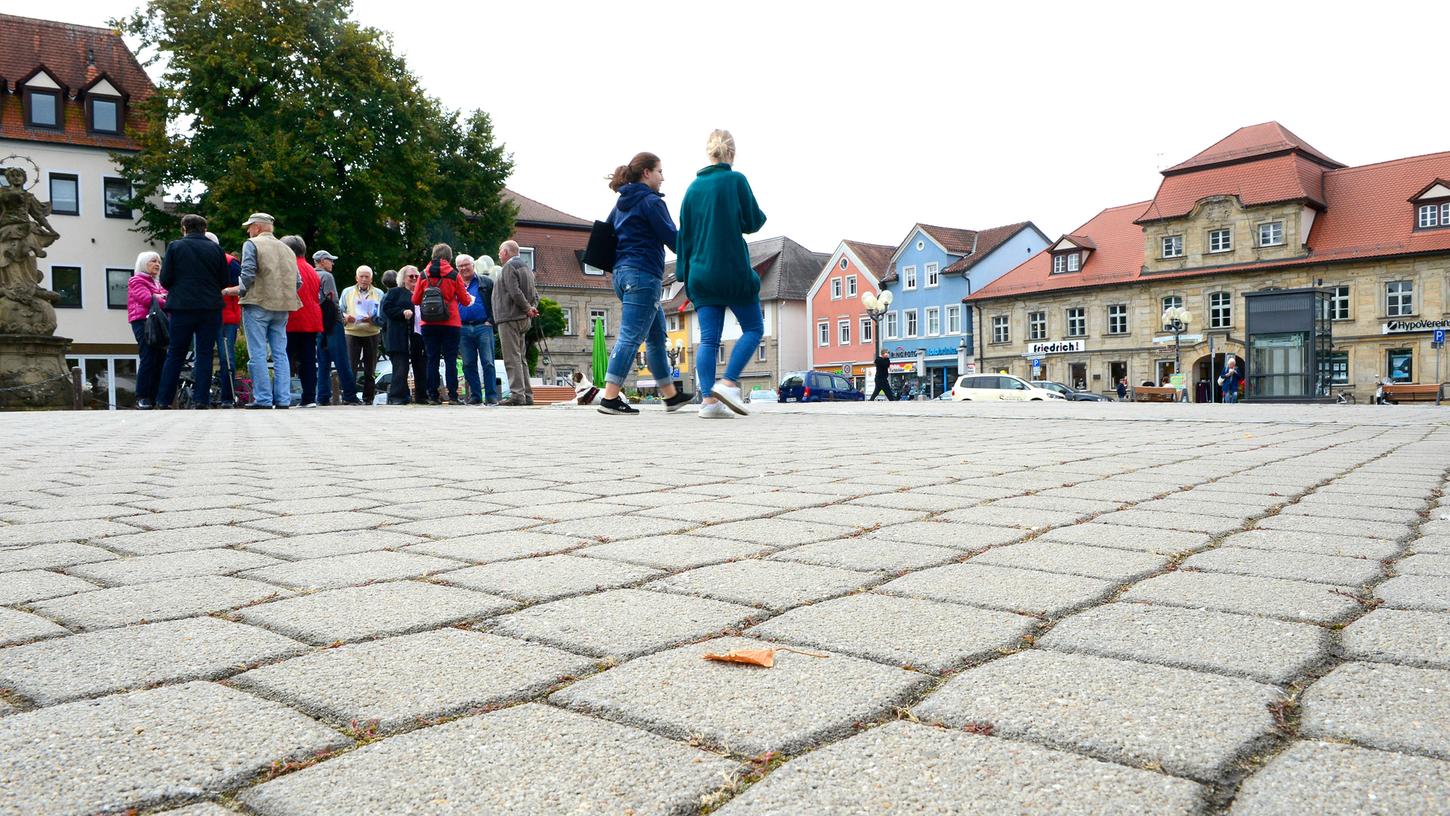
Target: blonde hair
[720,147]
[143,259]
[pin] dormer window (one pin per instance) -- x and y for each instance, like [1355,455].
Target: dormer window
[104,114]
[1066,262]
[1070,253]
[1433,215]
[42,108]
[1432,206]
[1172,246]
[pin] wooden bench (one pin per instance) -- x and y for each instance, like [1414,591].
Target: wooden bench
[1396,393]
[550,394]
[1153,393]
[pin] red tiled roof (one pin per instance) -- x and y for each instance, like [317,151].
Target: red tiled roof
[1249,142]
[1286,177]
[875,257]
[531,211]
[987,241]
[1117,259]
[955,241]
[562,267]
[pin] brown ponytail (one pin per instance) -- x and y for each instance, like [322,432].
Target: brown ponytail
[634,171]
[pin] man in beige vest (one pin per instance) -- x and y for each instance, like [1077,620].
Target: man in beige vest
[268,291]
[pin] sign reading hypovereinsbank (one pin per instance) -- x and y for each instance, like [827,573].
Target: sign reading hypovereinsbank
[1055,347]
[1408,326]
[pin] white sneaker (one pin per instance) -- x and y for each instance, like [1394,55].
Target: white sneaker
[730,396]
[715,410]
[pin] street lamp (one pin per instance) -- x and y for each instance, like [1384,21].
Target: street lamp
[1176,320]
[675,349]
[876,309]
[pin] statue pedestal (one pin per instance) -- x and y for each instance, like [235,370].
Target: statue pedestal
[38,364]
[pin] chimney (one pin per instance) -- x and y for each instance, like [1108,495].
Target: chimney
[91,72]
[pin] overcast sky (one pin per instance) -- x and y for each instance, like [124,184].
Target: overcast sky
[856,120]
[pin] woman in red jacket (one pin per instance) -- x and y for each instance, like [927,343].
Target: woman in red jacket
[442,328]
[305,324]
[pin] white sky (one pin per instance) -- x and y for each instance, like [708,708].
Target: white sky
[856,120]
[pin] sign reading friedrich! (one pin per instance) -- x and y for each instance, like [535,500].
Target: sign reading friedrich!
[1408,326]
[1056,347]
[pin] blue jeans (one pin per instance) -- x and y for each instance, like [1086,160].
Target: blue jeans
[227,362]
[332,353]
[641,320]
[1231,395]
[188,326]
[476,343]
[712,320]
[441,345]
[266,331]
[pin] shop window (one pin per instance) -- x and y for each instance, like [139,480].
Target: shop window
[1400,365]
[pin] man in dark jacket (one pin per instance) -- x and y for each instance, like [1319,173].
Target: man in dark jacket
[194,273]
[883,377]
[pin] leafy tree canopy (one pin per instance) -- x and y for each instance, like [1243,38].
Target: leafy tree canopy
[291,108]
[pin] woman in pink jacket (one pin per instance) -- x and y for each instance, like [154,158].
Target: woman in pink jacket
[141,290]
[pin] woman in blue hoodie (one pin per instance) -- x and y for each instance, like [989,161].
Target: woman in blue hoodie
[644,228]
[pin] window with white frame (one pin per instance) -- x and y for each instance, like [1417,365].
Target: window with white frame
[592,270]
[1118,318]
[933,322]
[1339,303]
[891,326]
[933,275]
[1220,240]
[1220,310]
[850,286]
[1172,246]
[1271,234]
[527,254]
[1000,332]
[602,314]
[1433,215]
[1037,325]
[1172,302]
[672,323]
[720,355]
[760,352]
[1074,261]
[868,334]
[568,320]
[1077,322]
[912,327]
[908,277]
[835,288]
[954,320]
[1400,298]
[823,334]
[843,332]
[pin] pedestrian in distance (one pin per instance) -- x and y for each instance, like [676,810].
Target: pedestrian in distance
[397,307]
[194,273]
[363,327]
[227,340]
[476,343]
[883,377]
[332,345]
[643,228]
[142,290]
[1230,380]
[268,288]
[437,297]
[1122,389]
[515,305]
[713,262]
[305,324]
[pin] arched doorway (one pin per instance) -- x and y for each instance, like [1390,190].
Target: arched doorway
[1206,373]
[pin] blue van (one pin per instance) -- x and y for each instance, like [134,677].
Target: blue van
[817,386]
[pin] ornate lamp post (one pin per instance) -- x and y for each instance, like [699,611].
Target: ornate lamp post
[876,308]
[1176,320]
[675,349]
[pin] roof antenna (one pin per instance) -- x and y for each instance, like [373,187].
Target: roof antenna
[90,56]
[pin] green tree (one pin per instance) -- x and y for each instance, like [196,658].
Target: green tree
[549,323]
[292,108]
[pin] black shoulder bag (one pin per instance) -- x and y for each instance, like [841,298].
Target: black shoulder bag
[603,245]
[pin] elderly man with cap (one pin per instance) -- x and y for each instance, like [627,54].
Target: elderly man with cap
[268,290]
[332,343]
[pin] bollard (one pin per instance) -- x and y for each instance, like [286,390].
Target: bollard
[77,395]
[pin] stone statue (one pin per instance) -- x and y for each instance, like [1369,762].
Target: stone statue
[25,232]
[32,359]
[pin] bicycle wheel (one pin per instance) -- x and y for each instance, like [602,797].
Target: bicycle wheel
[1347,398]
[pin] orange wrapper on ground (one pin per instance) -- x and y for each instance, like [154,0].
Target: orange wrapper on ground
[753,657]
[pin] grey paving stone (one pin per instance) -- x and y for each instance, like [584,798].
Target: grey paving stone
[60,531]
[1229,511]
[323,504]
[1000,515]
[499,546]
[324,545]
[1107,563]
[869,555]
[69,511]
[1329,779]
[623,623]
[568,511]
[922,501]
[50,556]
[1315,543]
[1139,539]
[771,584]
[707,511]
[676,551]
[775,531]
[1427,592]
[220,516]
[187,538]
[909,632]
[907,768]
[400,681]
[526,498]
[203,809]
[95,663]
[1029,592]
[158,601]
[530,760]
[357,613]
[1364,529]
[20,627]
[318,523]
[147,748]
[168,566]
[1431,544]
[1320,568]
[850,515]
[351,570]
[1400,636]
[1189,522]
[1435,528]
[26,586]
[203,502]
[1192,724]
[1425,564]
[1058,503]
[437,508]
[547,577]
[616,528]
[1247,594]
[1334,506]
[748,710]
[1395,708]
[943,534]
[1269,651]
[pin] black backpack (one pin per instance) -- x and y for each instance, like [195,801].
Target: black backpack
[435,307]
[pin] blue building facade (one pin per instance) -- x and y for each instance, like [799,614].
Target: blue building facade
[932,270]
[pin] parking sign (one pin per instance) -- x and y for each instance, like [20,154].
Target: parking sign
[1439,337]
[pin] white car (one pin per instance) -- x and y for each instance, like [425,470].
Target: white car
[999,388]
[762,395]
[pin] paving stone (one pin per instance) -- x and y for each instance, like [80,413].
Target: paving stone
[943,534]
[324,545]
[999,515]
[1435,528]
[1431,544]
[1315,543]
[27,586]
[910,632]
[1192,724]
[675,551]
[786,500]
[1029,592]
[50,556]
[1269,651]
[69,511]
[95,663]
[1139,539]
[190,503]
[530,760]
[158,601]
[147,748]
[1249,595]
[568,511]
[1400,636]
[1329,779]
[526,498]
[192,538]
[357,613]
[1427,592]
[1320,568]
[1426,564]
[1230,511]
[20,627]
[60,531]
[1364,529]
[800,702]
[706,512]
[907,768]
[203,809]
[1109,564]
[318,522]
[775,531]
[771,584]
[621,623]
[401,680]
[547,577]
[168,566]
[1189,522]
[500,546]
[869,555]
[1395,708]
[460,526]
[220,516]
[351,570]
[850,515]
[1335,507]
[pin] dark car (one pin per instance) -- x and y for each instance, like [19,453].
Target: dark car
[817,386]
[1072,393]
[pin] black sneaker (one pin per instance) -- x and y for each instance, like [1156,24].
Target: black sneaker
[678,401]
[617,406]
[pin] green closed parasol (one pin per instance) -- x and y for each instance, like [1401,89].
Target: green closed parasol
[601,354]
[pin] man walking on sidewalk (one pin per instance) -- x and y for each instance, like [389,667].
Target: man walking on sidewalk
[515,305]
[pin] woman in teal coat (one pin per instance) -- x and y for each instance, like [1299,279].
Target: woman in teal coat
[713,263]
